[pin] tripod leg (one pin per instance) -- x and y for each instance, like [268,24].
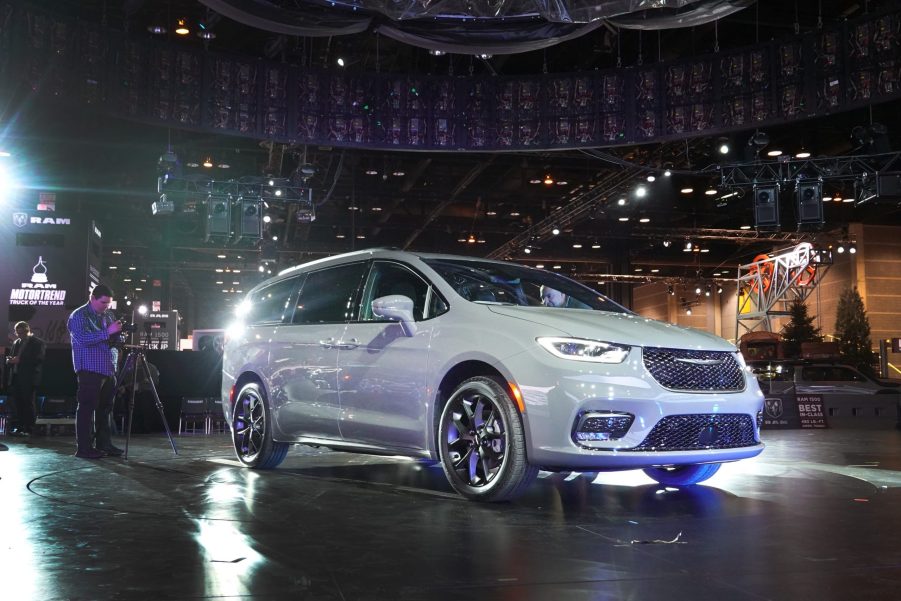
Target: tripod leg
[131,401]
[156,399]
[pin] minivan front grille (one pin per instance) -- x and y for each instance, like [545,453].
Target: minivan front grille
[695,432]
[701,371]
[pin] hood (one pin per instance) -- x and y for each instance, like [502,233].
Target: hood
[621,328]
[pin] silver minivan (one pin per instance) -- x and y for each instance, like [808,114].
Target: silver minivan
[494,369]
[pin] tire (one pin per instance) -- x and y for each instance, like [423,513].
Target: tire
[252,430]
[481,443]
[683,475]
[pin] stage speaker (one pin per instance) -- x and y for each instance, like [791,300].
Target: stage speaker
[250,221]
[766,205]
[218,216]
[809,198]
[888,186]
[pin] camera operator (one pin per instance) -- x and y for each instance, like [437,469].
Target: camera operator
[95,330]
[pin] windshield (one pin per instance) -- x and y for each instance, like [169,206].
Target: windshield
[512,284]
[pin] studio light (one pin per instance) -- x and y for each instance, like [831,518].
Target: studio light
[723,145]
[168,163]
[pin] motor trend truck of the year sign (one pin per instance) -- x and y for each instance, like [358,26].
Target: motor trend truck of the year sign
[50,262]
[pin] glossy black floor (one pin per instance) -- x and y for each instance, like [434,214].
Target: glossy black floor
[817,516]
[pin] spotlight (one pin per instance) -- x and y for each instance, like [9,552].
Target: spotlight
[641,191]
[340,61]
[157,29]
[852,249]
[688,245]
[621,202]
[760,139]
[719,289]
[651,178]
[840,249]
[723,146]
[666,243]
[182,28]
[556,231]
[527,250]
[437,52]
[168,163]
[667,173]
[687,190]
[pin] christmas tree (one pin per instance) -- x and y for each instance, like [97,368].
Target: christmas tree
[852,328]
[799,329]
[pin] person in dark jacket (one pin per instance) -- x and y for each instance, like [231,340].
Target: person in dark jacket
[26,361]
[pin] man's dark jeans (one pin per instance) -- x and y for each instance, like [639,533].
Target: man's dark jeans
[95,402]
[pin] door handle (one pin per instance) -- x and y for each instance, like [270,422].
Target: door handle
[347,345]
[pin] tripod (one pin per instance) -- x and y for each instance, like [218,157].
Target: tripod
[133,361]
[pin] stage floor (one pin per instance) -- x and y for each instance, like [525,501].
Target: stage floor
[817,516]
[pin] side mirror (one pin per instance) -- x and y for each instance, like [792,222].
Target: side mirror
[397,308]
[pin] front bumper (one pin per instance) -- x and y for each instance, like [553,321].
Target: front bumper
[724,426]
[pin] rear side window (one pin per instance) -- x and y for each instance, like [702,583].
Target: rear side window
[327,295]
[831,374]
[268,304]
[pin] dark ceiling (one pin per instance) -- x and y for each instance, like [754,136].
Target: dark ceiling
[466,203]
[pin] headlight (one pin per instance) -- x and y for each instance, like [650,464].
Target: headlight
[580,349]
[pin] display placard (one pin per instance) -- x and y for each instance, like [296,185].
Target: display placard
[810,411]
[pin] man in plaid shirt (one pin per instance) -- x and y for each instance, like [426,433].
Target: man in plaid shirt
[94,356]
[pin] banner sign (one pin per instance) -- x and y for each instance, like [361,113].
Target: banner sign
[810,411]
[45,276]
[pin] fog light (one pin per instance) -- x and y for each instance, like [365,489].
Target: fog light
[602,425]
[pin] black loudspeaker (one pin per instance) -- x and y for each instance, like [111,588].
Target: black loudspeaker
[809,197]
[250,220]
[888,186]
[218,216]
[766,205]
